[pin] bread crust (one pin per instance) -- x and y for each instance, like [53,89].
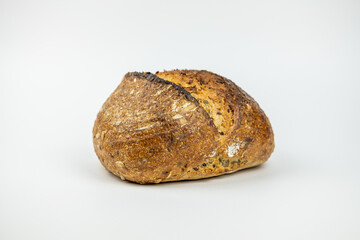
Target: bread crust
[179,125]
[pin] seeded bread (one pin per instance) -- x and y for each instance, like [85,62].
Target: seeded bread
[179,125]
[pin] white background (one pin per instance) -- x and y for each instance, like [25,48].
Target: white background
[59,61]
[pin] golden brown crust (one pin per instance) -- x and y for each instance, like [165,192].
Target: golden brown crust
[181,124]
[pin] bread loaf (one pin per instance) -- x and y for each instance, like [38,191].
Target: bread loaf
[180,125]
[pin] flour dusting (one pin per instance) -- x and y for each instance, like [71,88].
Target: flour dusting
[233,149]
[212,153]
[177,116]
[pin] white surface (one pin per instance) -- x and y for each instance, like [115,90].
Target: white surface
[59,60]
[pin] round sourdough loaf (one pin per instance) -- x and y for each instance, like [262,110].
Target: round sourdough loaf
[180,125]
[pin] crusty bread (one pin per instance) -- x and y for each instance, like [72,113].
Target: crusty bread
[178,125]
